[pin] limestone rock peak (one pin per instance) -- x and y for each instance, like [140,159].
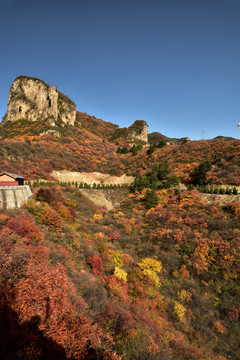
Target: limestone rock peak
[32,99]
[138,131]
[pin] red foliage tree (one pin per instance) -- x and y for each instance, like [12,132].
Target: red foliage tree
[44,295]
[25,226]
[96,264]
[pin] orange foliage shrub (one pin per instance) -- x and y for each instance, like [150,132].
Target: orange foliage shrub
[3,219]
[64,212]
[118,287]
[51,218]
[25,226]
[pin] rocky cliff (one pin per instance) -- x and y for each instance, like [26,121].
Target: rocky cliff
[138,131]
[134,134]
[32,99]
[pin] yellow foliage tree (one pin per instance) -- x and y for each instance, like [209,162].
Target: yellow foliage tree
[150,268]
[182,295]
[117,258]
[180,311]
[120,273]
[150,264]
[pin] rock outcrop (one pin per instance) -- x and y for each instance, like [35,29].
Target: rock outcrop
[138,131]
[32,99]
[134,134]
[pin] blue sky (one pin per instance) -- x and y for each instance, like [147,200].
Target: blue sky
[172,63]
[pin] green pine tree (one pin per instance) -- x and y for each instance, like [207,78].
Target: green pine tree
[150,199]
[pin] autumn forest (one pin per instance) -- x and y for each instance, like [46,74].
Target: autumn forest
[156,278]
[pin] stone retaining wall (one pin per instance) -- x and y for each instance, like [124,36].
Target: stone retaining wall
[13,197]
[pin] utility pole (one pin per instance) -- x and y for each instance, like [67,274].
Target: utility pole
[238,125]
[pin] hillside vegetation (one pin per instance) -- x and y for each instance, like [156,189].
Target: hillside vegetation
[35,149]
[79,282]
[156,278]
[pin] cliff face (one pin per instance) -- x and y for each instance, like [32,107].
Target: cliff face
[34,100]
[138,131]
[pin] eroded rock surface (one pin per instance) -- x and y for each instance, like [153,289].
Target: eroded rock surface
[108,199]
[32,99]
[138,131]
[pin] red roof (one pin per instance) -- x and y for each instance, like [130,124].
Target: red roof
[14,176]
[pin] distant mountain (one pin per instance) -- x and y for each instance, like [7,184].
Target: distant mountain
[227,138]
[156,137]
